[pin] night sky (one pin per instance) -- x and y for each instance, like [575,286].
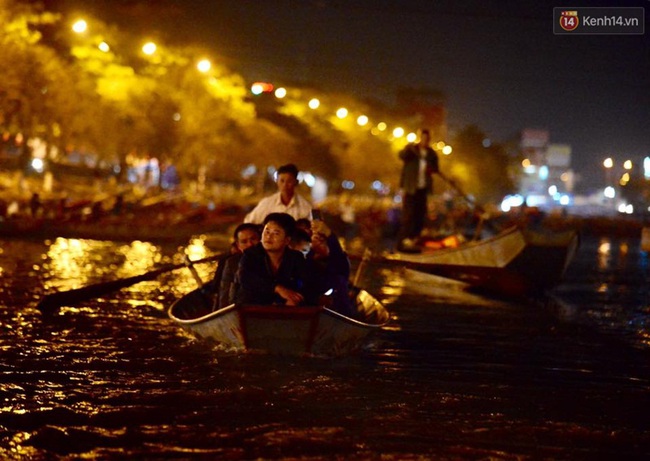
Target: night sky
[498,62]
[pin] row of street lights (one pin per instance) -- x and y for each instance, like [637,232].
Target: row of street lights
[204,65]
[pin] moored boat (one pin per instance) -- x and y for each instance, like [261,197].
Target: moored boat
[284,330]
[514,263]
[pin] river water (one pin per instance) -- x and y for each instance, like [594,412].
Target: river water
[454,376]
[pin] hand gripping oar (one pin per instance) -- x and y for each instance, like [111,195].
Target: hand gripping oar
[77,295]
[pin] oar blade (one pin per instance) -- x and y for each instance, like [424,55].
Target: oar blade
[54,301]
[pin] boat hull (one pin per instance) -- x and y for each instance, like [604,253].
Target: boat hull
[514,263]
[283,330]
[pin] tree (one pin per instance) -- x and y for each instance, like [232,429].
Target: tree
[479,167]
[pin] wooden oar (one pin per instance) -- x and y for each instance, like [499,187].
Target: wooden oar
[77,295]
[481,211]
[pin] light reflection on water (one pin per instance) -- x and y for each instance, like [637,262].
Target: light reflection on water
[454,376]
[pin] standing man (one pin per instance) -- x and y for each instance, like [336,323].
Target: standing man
[286,200]
[416,182]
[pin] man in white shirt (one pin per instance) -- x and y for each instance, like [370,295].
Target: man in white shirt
[286,200]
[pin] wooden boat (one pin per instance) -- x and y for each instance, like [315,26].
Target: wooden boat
[281,330]
[513,263]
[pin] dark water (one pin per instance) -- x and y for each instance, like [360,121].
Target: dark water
[455,375]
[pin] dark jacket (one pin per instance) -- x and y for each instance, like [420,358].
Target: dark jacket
[229,283]
[410,155]
[333,272]
[257,281]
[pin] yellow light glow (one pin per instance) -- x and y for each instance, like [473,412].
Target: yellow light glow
[204,65]
[280,93]
[149,48]
[627,165]
[440,145]
[608,163]
[362,120]
[80,26]
[447,150]
[398,132]
[342,112]
[381,126]
[411,137]
[525,163]
[314,103]
[104,47]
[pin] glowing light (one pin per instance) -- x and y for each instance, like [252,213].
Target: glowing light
[411,137]
[526,163]
[398,132]
[440,145]
[342,113]
[314,103]
[80,26]
[381,126]
[38,165]
[204,65]
[149,48]
[348,185]
[627,164]
[543,172]
[608,162]
[310,179]
[280,93]
[362,120]
[447,150]
[104,47]
[552,190]
[624,179]
[609,192]
[511,201]
[646,167]
[261,87]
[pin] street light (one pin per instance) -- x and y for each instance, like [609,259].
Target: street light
[608,163]
[204,65]
[149,48]
[80,26]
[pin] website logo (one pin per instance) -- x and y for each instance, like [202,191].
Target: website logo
[569,20]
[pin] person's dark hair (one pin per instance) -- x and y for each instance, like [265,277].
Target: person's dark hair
[289,168]
[425,131]
[300,235]
[246,226]
[303,223]
[284,220]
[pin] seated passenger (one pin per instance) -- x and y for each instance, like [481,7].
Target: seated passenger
[301,241]
[246,235]
[271,272]
[332,267]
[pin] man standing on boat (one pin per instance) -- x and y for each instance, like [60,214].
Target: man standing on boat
[286,200]
[416,182]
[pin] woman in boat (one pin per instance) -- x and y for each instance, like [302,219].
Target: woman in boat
[271,272]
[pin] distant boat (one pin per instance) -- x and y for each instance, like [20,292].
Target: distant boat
[513,263]
[284,330]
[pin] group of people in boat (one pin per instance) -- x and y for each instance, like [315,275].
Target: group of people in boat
[282,254]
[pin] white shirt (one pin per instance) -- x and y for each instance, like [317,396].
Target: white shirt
[422,181]
[298,207]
